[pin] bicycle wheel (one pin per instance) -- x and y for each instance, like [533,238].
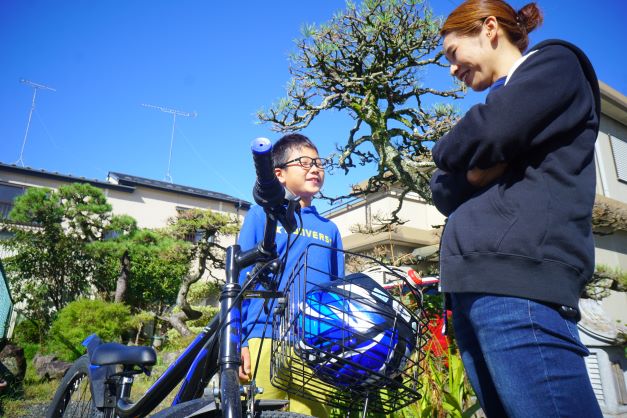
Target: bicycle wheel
[73,397]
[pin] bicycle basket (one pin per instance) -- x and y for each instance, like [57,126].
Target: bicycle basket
[343,341]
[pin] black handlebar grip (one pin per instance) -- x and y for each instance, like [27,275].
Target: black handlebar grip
[268,191]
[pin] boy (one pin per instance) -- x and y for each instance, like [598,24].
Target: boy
[299,168]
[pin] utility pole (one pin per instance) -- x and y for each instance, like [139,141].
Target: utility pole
[174,113]
[35,86]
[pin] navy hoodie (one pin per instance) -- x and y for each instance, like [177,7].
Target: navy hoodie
[528,234]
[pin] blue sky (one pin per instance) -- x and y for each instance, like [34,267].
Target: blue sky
[223,60]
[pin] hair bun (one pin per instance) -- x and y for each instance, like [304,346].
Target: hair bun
[529,17]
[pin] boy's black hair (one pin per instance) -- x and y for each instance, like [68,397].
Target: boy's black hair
[281,150]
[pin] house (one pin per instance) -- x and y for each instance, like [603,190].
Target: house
[611,165]
[150,202]
[420,231]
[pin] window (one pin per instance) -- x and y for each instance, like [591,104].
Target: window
[111,235]
[8,193]
[619,150]
[198,236]
[592,364]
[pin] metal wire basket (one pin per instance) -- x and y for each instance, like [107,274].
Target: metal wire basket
[346,341]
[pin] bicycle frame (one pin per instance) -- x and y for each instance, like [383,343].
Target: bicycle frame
[218,347]
[204,356]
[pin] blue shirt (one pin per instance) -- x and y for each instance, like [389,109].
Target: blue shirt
[321,261]
[498,84]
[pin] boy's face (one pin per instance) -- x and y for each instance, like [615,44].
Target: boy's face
[301,181]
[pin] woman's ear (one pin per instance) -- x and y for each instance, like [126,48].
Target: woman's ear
[491,27]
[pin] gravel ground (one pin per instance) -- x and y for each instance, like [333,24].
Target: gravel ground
[31,411]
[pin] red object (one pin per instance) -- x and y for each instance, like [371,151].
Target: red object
[438,343]
[414,276]
[421,281]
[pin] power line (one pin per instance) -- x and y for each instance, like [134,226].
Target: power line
[174,113]
[35,86]
[238,192]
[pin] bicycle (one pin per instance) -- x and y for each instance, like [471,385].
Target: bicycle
[99,383]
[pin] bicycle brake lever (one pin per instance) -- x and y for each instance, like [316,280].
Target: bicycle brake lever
[263,276]
[286,217]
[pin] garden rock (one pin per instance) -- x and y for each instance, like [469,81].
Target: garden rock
[49,367]
[40,360]
[12,363]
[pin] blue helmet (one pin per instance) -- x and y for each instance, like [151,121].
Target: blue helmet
[354,333]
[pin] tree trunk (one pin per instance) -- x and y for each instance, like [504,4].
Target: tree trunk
[139,331]
[122,283]
[178,319]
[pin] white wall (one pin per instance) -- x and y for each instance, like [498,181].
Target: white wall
[150,207]
[611,250]
[415,211]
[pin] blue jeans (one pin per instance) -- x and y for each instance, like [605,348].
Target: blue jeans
[522,357]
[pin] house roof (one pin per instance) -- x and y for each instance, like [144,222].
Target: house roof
[126,183]
[613,103]
[63,177]
[134,181]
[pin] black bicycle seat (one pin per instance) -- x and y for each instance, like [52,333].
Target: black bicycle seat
[114,353]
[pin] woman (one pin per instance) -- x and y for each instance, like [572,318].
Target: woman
[516,179]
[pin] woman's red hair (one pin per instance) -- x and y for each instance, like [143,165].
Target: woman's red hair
[468,17]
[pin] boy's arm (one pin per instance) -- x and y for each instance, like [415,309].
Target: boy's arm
[249,235]
[338,259]
[253,223]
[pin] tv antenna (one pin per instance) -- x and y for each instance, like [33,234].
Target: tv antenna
[174,113]
[35,86]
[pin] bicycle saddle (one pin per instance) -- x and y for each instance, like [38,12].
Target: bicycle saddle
[115,353]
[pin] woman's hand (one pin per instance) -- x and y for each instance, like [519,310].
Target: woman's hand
[482,177]
[244,368]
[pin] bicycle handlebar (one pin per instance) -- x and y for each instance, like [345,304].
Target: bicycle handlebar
[278,202]
[268,191]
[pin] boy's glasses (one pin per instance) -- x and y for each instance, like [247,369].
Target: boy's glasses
[307,162]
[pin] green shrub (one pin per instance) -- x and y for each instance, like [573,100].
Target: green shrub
[175,342]
[203,290]
[81,318]
[208,312]
[27,332]
[604,280]
[30,349]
